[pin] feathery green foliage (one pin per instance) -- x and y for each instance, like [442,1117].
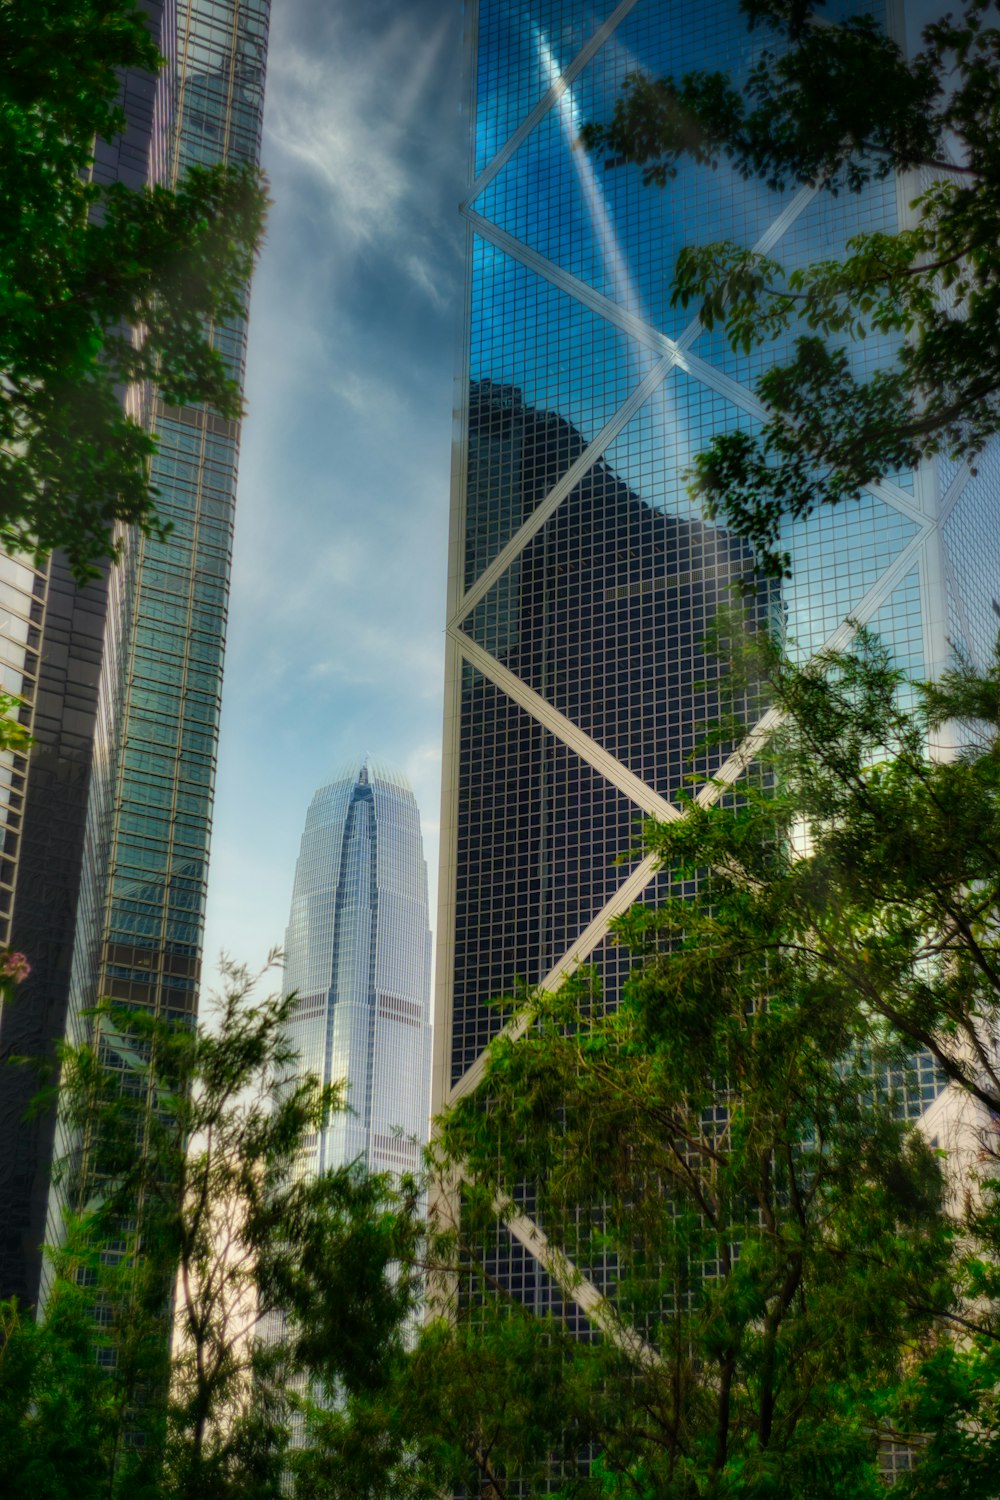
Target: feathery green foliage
[101,287]
[784,1278]
[836,107]
[189,1213]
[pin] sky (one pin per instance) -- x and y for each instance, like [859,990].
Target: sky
[336,623]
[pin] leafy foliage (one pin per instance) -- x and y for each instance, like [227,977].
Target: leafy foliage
[101,287]
[836,107]
[747,1272]
[186,1191]
[60,1408]
[783,1278]
[894,896]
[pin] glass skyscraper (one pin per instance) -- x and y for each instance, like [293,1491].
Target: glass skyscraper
[105,889]
[358,954]
[581,578]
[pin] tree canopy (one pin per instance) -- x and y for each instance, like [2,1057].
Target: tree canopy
[738,1236]
[836,107]
[186,1202]
[101,286]
[757,1274]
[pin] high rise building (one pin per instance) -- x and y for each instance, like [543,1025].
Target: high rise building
[105,876]
[581,578]
[358,954]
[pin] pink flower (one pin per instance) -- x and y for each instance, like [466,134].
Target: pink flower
[14,966]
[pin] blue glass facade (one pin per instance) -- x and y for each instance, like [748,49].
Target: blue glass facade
[358,953]
[156,891]
[581,578]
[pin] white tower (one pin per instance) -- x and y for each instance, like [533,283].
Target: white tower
[357,951]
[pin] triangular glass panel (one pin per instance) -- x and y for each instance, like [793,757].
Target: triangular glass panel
[655,451]
[957,634]
[539,832]
[605,227]
[826,224]
[522,50]
[899,625]
[972,537]
[606,611]
[612,962]
[546,374]
[819,232]
[837,555]
[511,1265]
[947,471]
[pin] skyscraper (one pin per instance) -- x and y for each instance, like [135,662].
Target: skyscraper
[108,888]
[358,952]
[581,578]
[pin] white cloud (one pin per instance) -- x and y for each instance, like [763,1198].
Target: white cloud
[336,636]
[428,279]
[376,399]
[315,121]
[351,115]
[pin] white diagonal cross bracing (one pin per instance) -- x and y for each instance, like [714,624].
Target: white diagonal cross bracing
[551,97]
[670,355]
[729,772]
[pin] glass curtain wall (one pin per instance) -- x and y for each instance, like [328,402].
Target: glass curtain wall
[65,653]
[581,577]
[357,953]
[141,912]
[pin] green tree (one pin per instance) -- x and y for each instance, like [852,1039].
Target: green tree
[58,1404]
[101,287]
[189,1214]
[835,107]
[784,1279]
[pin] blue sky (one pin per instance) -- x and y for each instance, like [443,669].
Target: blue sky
[336,628]
[336,634]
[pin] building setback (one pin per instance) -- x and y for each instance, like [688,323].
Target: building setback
[581,578]
[358,953]
[107,892]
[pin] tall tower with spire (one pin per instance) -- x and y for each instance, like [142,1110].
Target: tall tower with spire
[358,953]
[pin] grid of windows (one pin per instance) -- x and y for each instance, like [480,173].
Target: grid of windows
[837,556]
[357,952]
[156,890]
[524,358]
[512,72]
[899,623]
[512,1265]
[972,543]
[659,444]
[820,230]
[539,834]
[914,1084]
[605,228]
[602,610]
[80,660]
[141,906]
[22,620]
[606,610]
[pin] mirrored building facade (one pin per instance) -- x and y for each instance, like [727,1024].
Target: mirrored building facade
[581,578]
[358,954]
[124,675]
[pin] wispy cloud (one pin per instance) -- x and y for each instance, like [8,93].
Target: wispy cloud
[317,119]
[336,616]
[360,115]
